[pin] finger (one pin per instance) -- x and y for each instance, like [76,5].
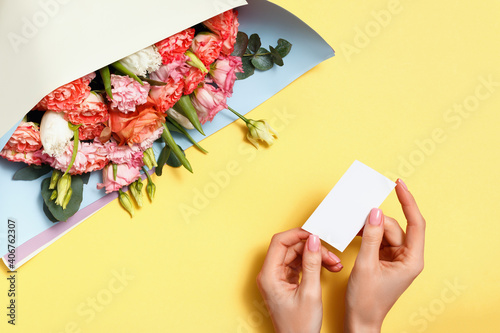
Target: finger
[393,234]
[329,259]
[276,254]
[415,230]
[311,266]
[368,255]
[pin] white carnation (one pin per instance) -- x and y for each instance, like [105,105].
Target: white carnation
[54,133]
[144,61]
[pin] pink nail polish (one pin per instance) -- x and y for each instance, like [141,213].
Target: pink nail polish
[313,243]
[403,184]
[334,257]
[375,217]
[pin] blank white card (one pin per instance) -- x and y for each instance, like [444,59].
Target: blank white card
[343,212]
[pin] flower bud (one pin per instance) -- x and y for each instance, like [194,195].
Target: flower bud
[63,186]
[149,158]
[136,191]
[260,130]
[67,198]
[53,196]
[151,189]
[56,174]
[195,61]
[126,202]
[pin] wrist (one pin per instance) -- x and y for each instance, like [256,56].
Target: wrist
[357,325]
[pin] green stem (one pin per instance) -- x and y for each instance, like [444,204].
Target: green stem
[147,174]
[257,54]
[106,79]
[238,114]
[175,148]
[183,131]
[76,140]
[120,67]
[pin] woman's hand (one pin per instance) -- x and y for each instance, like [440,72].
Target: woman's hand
[295,306]
[388,262]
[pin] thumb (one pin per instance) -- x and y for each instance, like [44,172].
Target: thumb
[372,238]
[311,264]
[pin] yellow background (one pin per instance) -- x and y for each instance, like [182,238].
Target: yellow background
[379,101]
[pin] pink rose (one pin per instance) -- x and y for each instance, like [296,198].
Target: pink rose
[90,157]
[28,157]
[225,25]
[26,138]
[193,79]
[176,69]
[68,96]
[125,175]
[175,46]
[127,93]
[90,131]
[224,73]
[208,101]
[148,142]
[92,110]
[207,47]
[166,96]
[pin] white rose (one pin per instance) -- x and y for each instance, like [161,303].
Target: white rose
[54,133]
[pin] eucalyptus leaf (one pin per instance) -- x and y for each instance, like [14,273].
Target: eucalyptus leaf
[173,161]
[254,43]
[284,47]
[275,55]
[248,68]
[32,172]
[263,60]
[49,214]
[85,178]
[241,44]
[74,203]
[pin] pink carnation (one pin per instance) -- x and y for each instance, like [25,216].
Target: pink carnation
[26,138]
[208,101]
[175,46]
[68,96]
[92,110]
[224,73]
[125,175]
[131,155]
[127,93]
[166,96]
[176,69]
[28,157]
[193,79]
[90,157]
[207,47]
[225,25]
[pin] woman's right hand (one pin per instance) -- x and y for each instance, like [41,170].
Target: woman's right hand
[388,262]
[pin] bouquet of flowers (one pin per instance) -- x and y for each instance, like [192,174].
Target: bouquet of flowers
[108,120]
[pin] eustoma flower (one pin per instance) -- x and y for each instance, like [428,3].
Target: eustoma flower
[258,130]
[125,175]
[208,101]
[207,47]
[223,72]
[55,133]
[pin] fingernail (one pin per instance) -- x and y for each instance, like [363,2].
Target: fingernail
[403,184]
[334,257]
[340,266]
[313,243]
[375,217]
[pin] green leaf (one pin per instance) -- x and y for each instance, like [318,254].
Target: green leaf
[262,62]
[153,82]
[85,178]
[241,44]
[248,68]
[162,159]
[278,60]
[123,69]
[171,123]
[49,214]
[185,107]
[73,205]
[284,47]
[32,172]
[106,80]
[173,161]
[167,137]
[254,43]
